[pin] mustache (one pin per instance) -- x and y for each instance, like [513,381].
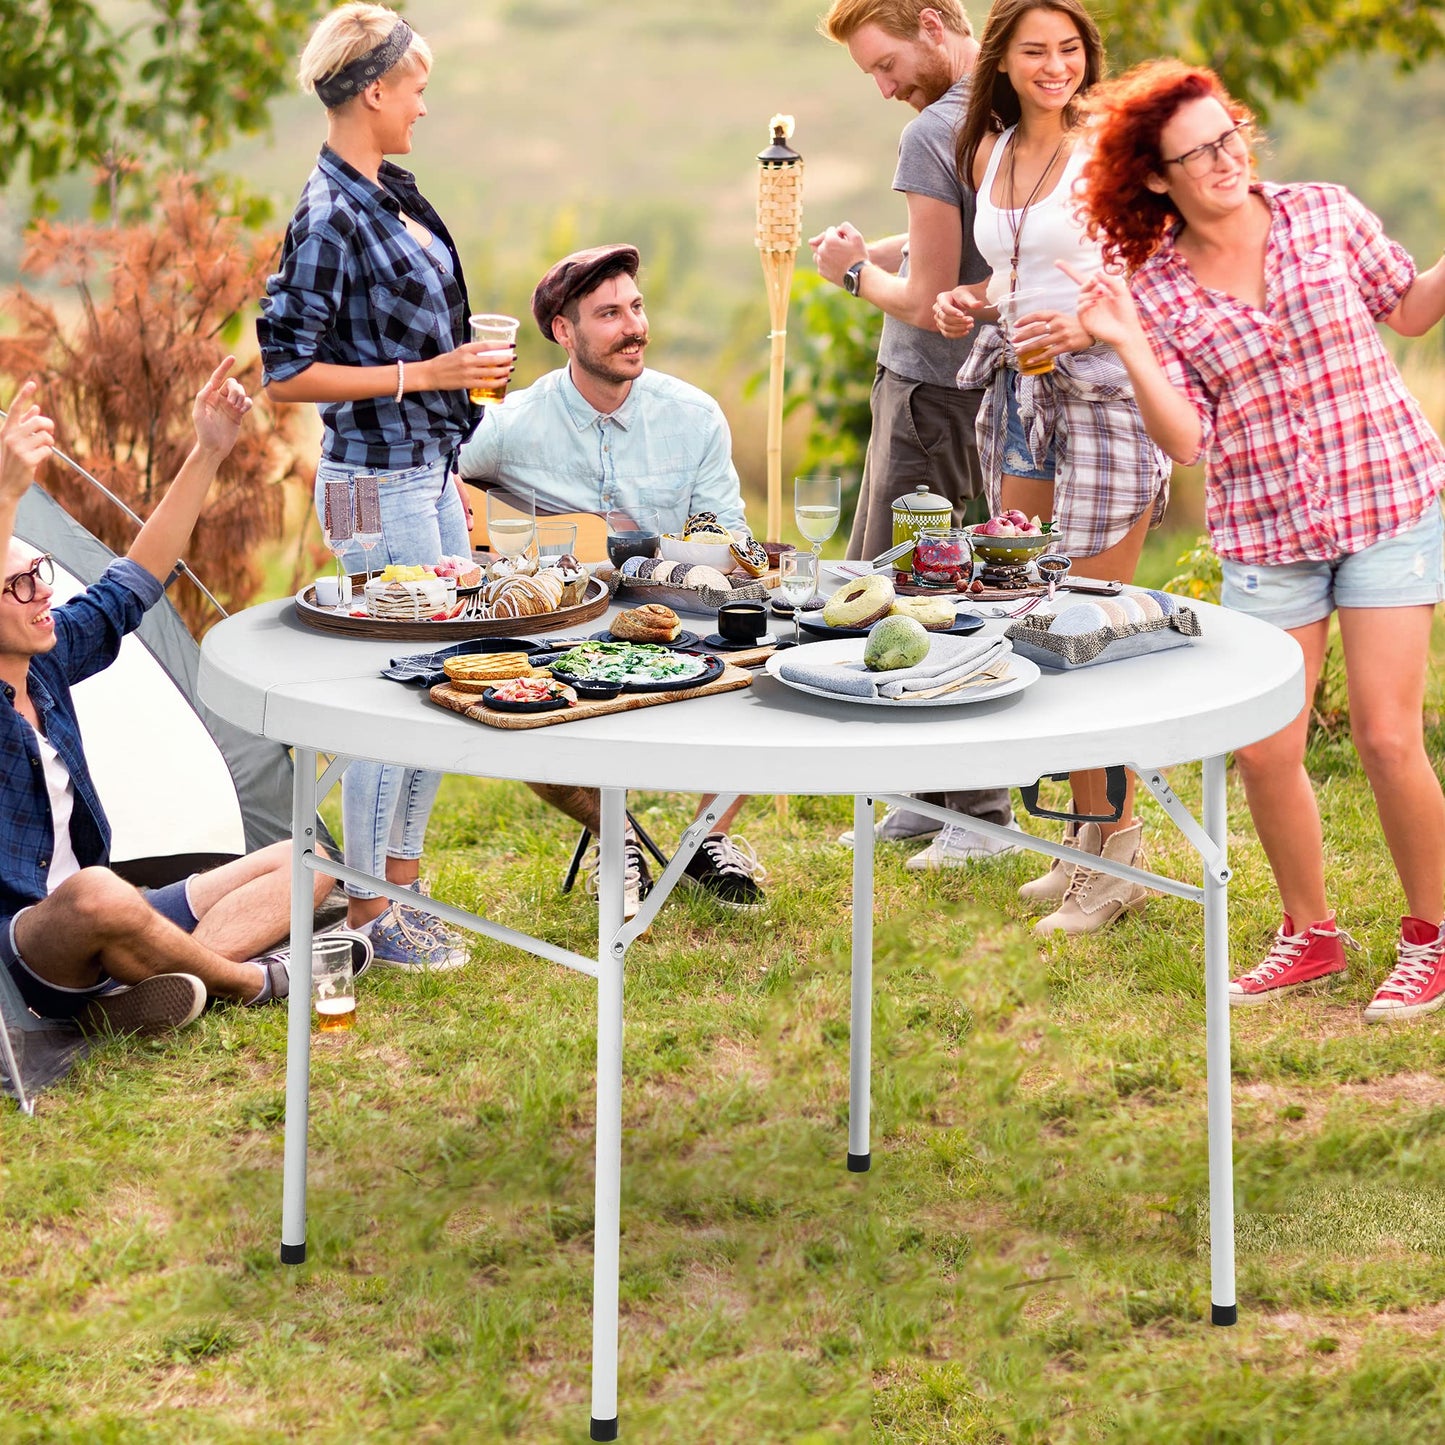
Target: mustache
[640,339]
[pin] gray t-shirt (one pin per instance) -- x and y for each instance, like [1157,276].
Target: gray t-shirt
[926,167]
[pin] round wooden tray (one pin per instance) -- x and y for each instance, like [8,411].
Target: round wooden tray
[593,604]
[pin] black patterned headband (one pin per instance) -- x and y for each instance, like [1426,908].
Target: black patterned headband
[352,79]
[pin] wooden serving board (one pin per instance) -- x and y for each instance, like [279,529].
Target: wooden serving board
[470,704]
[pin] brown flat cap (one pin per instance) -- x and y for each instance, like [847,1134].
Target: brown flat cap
[576,275]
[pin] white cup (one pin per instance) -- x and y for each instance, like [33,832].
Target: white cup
[332,591]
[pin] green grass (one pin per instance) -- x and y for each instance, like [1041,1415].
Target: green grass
[1027,1261]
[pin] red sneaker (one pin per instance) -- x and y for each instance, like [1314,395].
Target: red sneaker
[1296,961]
[1417,983]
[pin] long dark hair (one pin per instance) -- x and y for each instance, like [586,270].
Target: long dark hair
[993,104]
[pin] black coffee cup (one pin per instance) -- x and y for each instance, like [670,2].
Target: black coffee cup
[742,622]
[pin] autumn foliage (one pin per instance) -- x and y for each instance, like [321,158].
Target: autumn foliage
[160,305]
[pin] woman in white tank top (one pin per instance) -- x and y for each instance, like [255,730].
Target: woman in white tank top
[1060,436]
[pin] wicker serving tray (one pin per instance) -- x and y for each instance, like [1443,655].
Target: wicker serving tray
[1032,639]
[594,603]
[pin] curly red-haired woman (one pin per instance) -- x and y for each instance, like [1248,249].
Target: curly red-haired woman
[1248,327]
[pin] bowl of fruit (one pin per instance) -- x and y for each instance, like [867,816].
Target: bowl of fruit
[1010,537]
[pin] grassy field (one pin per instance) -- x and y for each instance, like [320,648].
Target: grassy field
[1027,1261]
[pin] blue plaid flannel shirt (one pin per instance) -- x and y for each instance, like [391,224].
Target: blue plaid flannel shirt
[356,289]
[88,633]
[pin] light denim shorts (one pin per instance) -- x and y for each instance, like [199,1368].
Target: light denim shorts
[1407,570]
[1017,461]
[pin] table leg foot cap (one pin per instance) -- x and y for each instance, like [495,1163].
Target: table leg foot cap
[293,1253]
[859,1163]
[604,1429]
[1224,1314]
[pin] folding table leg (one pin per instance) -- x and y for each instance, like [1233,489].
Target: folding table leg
[1224,1310]
[298,1012]
[861,1032]
[606,1252]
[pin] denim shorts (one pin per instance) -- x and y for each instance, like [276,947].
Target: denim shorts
[1017,460]
[1407,570]
[50,1000]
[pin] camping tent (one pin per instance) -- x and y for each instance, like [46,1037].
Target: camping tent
[183,788]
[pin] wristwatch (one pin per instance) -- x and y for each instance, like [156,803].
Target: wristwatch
[853,276]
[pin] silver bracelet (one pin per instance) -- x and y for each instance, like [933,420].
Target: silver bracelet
[400,377]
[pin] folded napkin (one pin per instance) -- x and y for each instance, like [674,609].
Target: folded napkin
[949,659]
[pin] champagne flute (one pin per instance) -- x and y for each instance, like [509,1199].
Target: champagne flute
[797,581]
[368,513]
[817,505]
[338,527]
[511,523]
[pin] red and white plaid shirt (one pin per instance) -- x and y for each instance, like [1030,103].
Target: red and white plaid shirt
[1313,447]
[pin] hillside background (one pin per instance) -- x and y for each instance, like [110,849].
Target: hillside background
[560,123]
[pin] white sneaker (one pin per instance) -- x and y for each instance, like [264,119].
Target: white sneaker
[636,879]
[898,825]
[957,846]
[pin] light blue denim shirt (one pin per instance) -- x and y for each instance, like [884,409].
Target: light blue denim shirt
[667,446]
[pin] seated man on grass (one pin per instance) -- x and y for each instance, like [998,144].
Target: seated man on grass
[79,942]
[602,434]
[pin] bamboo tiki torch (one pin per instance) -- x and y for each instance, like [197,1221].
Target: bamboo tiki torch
[780,229]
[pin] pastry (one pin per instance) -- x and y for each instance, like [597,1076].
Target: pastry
[573,576]
[935,613]
[750,555]
[473,671]
[702,576]
[651,622]
[519,596]
[859,603]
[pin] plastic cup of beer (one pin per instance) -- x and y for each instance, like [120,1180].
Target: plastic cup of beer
[332,989]
[496,333]
[1032,346]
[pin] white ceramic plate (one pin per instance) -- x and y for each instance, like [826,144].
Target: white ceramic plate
[850,649]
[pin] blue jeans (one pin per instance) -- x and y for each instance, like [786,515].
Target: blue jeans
[385,807]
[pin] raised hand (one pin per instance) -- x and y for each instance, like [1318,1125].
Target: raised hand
[221,406]
[956,312]
[473,364]
[836,249]
[1106,309]
[26,439]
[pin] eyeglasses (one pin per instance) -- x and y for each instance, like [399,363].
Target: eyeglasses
[1202,159]
[22,585]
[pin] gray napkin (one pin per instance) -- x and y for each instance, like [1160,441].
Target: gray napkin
[949,658]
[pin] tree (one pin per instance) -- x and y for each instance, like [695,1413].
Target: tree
[1270,50]
[158,305]
[175,85]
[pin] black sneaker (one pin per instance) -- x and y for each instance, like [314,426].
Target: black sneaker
[728,871]
[156,1005]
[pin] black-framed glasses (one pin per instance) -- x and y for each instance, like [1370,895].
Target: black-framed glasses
[1202,159]
[22,585]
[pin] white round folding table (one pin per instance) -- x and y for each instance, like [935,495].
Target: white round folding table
[323,695]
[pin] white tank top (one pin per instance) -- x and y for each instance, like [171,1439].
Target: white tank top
[1051,232]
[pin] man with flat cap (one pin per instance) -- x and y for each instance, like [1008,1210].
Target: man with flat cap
[604,433]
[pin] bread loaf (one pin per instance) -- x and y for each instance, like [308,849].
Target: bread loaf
[650,623]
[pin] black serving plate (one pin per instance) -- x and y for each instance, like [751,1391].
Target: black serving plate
[964,624]
[710,673]
[552,704]
[683,639]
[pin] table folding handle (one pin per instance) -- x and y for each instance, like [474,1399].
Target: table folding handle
[1116,780]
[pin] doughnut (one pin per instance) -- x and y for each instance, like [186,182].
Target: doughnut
[859,603]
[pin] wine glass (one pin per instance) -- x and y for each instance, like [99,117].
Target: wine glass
[634,533]
[338,527]
[817,505]
[368,513]
[511,522]
[797,581]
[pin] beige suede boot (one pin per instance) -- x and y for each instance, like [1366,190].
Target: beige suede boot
[1094,900]
[1052,886]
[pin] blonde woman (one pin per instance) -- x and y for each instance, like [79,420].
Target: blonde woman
[367,318]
